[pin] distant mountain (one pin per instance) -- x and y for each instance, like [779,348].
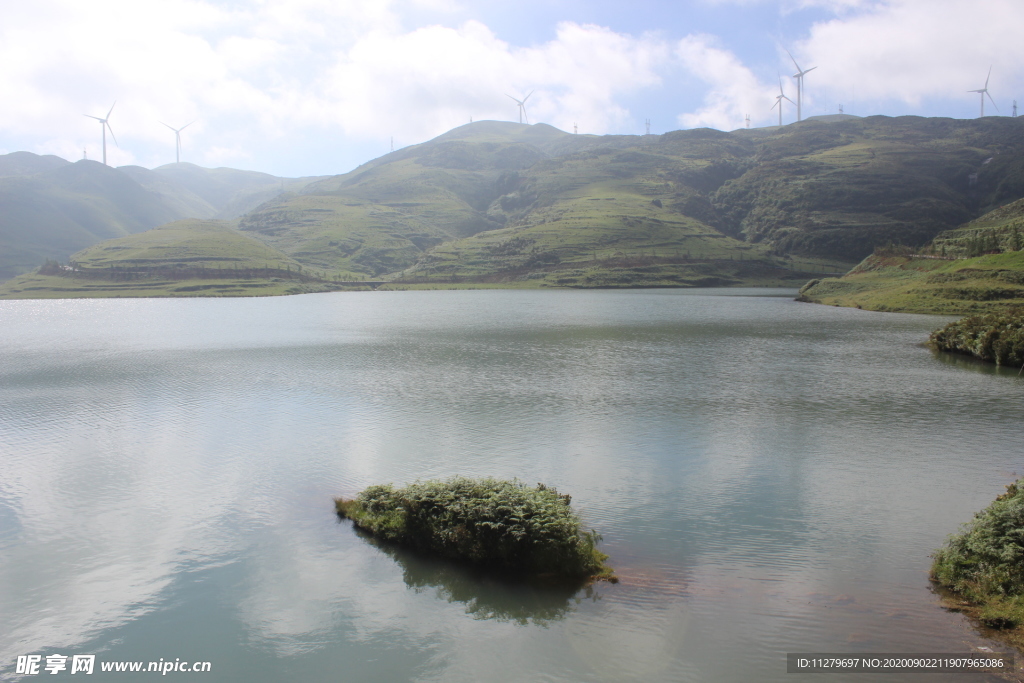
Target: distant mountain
[230,191]
[52,214]
[183,201]
[51,208]
[27,163]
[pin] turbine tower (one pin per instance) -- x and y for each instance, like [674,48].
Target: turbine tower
[984,91]
[799,76]
[177,140]
[778,101]
[104,126]
[522,106]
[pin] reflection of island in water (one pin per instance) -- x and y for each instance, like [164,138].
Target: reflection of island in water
[488,595]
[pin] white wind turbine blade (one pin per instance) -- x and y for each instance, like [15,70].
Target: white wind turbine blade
[799,71]
[519,102]
[528,97]
[992,101]
[93,117]
[111,131]
[988,77]
[186,126]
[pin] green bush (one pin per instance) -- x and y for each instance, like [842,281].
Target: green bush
[985,562]
[994,337]
[504,525]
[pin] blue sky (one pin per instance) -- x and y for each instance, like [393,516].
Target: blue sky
[304,87]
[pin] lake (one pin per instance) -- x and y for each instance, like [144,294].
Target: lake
[768,477]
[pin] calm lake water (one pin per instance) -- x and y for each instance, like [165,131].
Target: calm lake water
[768,476]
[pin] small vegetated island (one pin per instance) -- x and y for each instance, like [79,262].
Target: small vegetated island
[984,565]
[994,337]
[496,524]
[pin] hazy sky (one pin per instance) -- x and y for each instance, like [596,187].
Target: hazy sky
[304,87]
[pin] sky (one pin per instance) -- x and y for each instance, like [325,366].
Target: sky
[316,87]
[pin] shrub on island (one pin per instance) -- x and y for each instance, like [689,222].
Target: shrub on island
[984,563]
[504,525]
[994,337]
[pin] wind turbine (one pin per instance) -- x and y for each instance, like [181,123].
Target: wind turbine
[105,127]
[984,91]
[177,140]
[522,106]
[799,76]
[778,101]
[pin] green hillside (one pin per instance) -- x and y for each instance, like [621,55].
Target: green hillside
[977,268]
[440,211]
[493,201]
[184,258]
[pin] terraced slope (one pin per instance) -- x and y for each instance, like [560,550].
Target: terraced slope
[605,218]
[184,258]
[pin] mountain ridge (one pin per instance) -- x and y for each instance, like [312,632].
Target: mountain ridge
[501,202]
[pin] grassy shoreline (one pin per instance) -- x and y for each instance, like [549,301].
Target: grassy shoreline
[917,284]
[37,286]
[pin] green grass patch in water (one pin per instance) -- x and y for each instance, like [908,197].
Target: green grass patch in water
[499,524]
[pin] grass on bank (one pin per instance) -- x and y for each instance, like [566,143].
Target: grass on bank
[502,525]
[983,565]
[908,284]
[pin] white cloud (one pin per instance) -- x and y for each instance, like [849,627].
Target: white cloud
[352,72]
[734,89]
[915,50]
[258,71]
[426,81]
